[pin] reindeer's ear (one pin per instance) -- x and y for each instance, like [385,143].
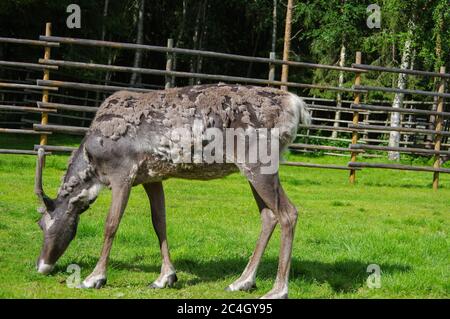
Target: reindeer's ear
[49,203]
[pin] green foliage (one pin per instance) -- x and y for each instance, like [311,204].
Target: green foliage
[320,28]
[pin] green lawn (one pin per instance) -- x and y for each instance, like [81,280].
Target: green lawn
[389,218]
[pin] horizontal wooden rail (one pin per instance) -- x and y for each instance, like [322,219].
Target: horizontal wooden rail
[76,130]
[368,107]
[25,109]
[20,152]
[215,77]
[51,148]
[29,42]
[326,128]
[398,149]
[311,165]
[33,66]
[398,70]
[323,148]
[406,102]
[27,86]
[88,87]
[328,120]
[211,54]
[21,131]
[14,92]
[68,107]
[65,96]
[396,129]
[364,140]
[331,108]
[391,90]
[398,167]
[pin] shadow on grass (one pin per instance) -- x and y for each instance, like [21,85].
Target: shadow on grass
[342,276]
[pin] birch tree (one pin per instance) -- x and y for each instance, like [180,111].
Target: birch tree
[337,115]
[135,77]
[394,137]
[274,26]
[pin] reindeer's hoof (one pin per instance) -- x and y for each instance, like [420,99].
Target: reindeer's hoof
[94,283]
[100,283]
[275,295]
[242,286]
[166,281]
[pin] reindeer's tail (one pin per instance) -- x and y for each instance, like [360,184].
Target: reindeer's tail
[296,114]
[304,117]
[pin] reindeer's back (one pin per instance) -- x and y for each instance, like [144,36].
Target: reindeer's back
[217,105]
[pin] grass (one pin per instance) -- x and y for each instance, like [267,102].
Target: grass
[389,218]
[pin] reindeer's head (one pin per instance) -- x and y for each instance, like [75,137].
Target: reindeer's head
[59,219]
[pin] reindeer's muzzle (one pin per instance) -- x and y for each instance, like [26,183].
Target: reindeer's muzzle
[44,268]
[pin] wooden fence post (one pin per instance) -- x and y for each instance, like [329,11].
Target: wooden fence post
[44,117]
[438,127]
[169,64]
[355,118]
[272,68]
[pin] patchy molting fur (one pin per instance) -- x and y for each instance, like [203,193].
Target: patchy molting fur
[146,120]
[220,106]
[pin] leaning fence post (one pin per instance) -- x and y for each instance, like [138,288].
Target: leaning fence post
[438,127]
[169,64]
[272,67]
[44,117]
[355,118]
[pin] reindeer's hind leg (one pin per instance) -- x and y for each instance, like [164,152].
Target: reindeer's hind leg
[247,280]
[269,189]
[155,194]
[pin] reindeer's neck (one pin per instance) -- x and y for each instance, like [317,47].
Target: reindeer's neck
[80,186]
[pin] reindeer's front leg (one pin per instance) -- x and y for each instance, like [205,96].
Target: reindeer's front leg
[120,194]
[155,194]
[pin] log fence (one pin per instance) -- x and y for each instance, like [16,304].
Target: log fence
[364,124]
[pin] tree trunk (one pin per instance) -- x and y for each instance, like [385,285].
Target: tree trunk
[179,40]
[105,15]
[438,64]
[255,49]
[287,43]
[195,40]
[203,38]
[274,26]
[135,77]
[394,137]
[410,117]
[108,73]
[337,115]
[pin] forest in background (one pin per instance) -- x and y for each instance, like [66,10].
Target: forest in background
[413,34]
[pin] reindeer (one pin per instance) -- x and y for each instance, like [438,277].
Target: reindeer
[128,144]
